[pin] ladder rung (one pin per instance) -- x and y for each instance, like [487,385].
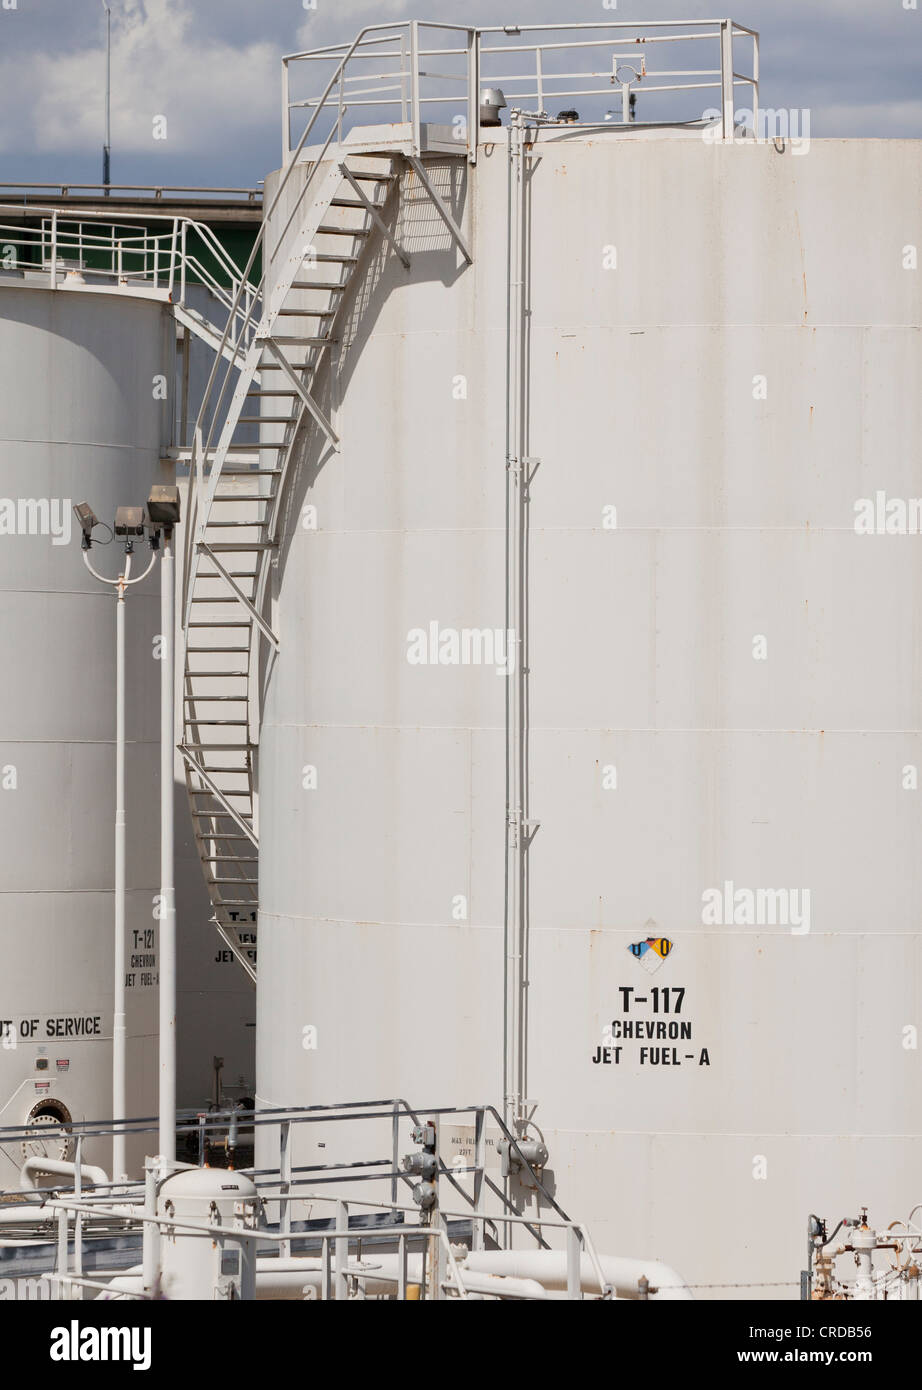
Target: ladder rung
[265,419]
[250,448]
[214,675]
[223,650]
[229,546]
[294,340]
[336,285]
[250,472]
[306,314]
[252,395]
[338,231]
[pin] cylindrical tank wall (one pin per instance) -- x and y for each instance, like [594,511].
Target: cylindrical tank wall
[724,354]
[80,419]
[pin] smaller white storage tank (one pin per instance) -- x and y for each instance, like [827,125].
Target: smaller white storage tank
[79,419]
[217,1263]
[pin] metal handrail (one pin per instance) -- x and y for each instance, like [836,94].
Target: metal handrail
[103,1208]
[408,65]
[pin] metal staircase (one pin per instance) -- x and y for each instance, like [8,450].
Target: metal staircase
[236,486]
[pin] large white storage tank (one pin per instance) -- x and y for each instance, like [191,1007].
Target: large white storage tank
[724,352]
[81,417]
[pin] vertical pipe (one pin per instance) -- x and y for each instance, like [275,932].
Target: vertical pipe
[118,1006]
[167,1089]
[515,925]
[54,250]
[107,148]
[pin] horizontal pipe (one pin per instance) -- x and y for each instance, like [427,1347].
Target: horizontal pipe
[58,1168]
[549,1268]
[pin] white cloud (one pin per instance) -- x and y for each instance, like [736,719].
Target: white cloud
[207,92]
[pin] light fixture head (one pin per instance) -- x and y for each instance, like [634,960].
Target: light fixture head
[163,508]
[129,521]
[86,518]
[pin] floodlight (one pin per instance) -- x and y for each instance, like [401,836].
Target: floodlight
[129,521]
[163,505]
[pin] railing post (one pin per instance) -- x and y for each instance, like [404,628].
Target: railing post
[150,1234]
[62,1251]
[755,85]
[395,1145]
[54,250]
[402,1268]
[325,1279]
[414,83]
[473,94]
[574,1253]
[480,1154]
[286,115]
[726,76]
[403,77]
[172,281]
[285,1186]
[539,77]
[182,266]
[340,1281]
[78,1216]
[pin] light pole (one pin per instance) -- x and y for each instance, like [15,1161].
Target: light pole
[106,149]
[163,511]
[129,522]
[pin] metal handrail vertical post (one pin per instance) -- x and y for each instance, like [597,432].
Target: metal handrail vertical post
[285,1185]
[403,76]
[286,114]
[54,250]
[62,1252]
[755,84]
[574,1253]
[342,1250]
[325,1279]
[473,94]
[414,84]
[182,268]
[480,1146]
[402,1268]
[395,1144]
[172,281]
[539,76]
[150,1234]
[726,76]
[78,1216]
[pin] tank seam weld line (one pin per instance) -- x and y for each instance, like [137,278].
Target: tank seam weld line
[752,933]
[564,330]
[725,1134]
[806,528]
[577,729]
[84,444]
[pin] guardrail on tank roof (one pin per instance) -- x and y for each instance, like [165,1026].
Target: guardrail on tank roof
[415,70]
[123,250]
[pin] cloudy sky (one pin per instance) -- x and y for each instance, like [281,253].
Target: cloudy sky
[212,68]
